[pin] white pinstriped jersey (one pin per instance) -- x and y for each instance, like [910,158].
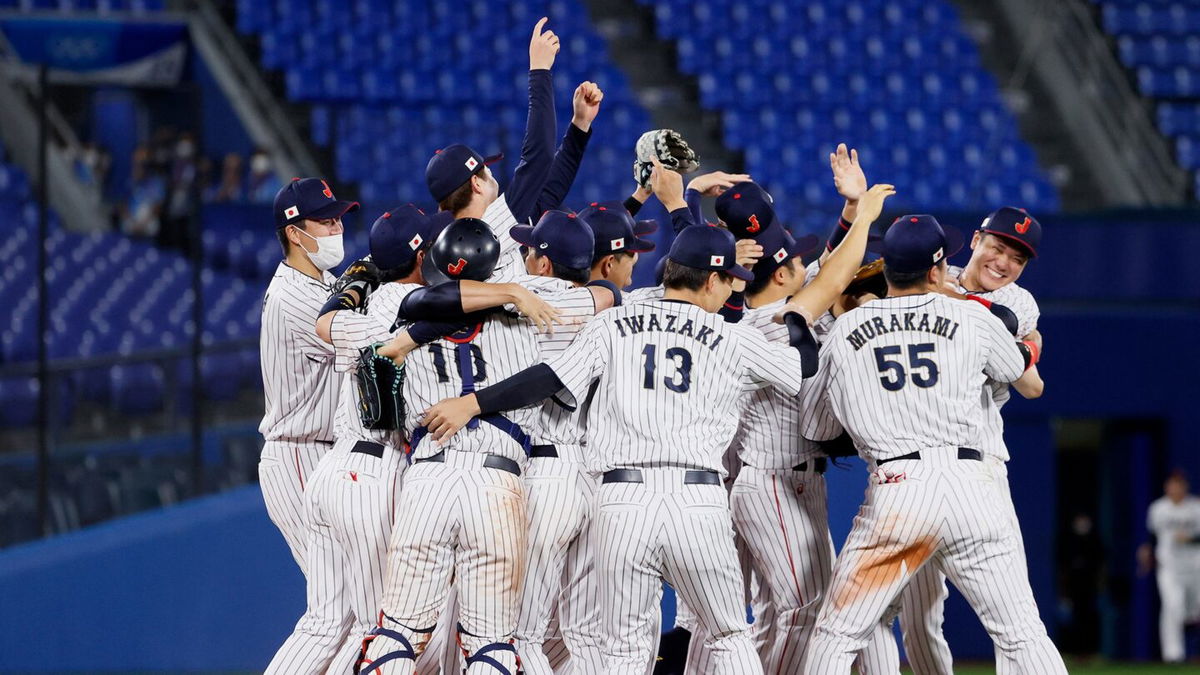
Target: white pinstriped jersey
[670,379]
[644,294]
[560,422]
[1168,520]
[501,219]
[769,435]
[299,388]
[350,332]
[1025,307]
[504,345]
[904,374]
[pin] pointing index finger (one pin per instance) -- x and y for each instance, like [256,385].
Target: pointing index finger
[537,28]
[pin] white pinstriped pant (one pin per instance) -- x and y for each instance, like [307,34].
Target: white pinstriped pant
[663,529]
[947,512]
[457,522]
[783,518]
[559,568]
[923,601]
[284,468]
[349,504]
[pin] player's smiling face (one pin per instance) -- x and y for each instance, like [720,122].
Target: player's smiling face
[994,262]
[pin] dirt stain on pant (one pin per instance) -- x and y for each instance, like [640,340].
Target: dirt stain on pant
[881,569]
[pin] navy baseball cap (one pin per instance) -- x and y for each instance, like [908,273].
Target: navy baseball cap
[746,209]
[644,227]
[398,234]
[452,166]
[915,243]
[1016,227]
[563,237]
[614,229]
[308,198]
[779,246]
[708,248]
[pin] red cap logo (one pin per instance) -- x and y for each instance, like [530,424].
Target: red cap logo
[457,268]
[1023,226]
[754,226]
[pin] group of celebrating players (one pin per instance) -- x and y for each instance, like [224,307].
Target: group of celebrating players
[560,445]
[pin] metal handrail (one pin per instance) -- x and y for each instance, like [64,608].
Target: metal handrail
[1120,109]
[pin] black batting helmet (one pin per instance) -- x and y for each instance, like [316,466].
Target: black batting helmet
[466,249]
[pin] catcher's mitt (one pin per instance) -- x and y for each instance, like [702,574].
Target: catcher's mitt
[379,380]
[868,279]
[671,150]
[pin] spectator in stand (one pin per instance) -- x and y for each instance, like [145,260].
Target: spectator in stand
[147,190]
[231,188]
[181,193]
[263,183]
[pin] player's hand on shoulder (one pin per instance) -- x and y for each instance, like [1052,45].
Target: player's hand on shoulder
[585,105]
[543,47]
[870,204]
[541,313]
[445,418]
[716,183]
[848,175]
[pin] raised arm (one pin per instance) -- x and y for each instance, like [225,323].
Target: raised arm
[586,105]
[537,149]
[838,269]
[851,184]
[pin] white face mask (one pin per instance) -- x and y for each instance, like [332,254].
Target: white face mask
[329,250]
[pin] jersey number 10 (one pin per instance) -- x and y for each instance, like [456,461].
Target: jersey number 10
[887,358]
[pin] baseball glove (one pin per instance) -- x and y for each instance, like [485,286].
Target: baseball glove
[868,279]
[360,275]
[671,150]
[379,380]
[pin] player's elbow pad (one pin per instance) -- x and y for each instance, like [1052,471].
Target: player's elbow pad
[442,302]
[1006,315]
[1030,352]
[532,385]
[801,338]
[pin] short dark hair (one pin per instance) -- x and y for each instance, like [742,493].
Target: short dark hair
[903,281]
[616,254]
[572,274]
[457,201]
[760,281]
[684,278]
[401,271]
[281,235]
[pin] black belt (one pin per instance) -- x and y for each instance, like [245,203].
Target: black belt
[635,476]
[963,453]
[819,465]
[490,462]
[543,451]
[368,448]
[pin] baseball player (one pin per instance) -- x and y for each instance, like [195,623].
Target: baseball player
[461,513]
[1001,248]
[599,241]
[461,182]
[903,375]
[1174,524]
[667,377]
[299,389]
